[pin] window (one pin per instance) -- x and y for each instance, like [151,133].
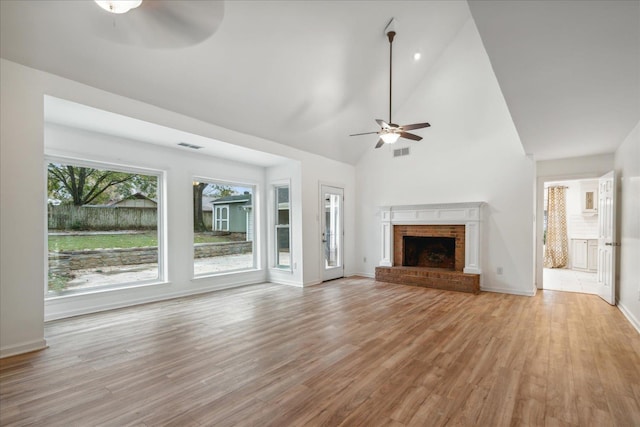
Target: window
[282,235]
[102,226]
[223,231]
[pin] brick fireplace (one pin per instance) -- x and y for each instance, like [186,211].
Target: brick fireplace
[435,246]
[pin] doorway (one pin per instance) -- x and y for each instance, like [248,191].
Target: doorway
[332,228]
[592,248]
[570,236]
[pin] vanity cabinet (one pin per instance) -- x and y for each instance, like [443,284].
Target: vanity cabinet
[585,254]
[592,255]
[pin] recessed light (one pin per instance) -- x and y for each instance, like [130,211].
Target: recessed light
[417,56]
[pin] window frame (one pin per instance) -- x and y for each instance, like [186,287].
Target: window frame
[255,188]
[277,227]
[161,228]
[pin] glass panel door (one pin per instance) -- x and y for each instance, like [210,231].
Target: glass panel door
[332,231]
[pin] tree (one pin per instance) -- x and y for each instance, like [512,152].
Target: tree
[198,217]
[83,186]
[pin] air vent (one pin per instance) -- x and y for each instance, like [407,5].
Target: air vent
[184,144]
[401,152]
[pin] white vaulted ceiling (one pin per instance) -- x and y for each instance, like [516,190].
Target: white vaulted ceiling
[308,73]
[569,71]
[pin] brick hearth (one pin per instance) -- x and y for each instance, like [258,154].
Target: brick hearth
[436,278]
[430,278]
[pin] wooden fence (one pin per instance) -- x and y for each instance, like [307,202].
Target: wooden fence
[69,217]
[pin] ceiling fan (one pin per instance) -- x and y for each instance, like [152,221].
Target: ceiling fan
[390,132]
[157,23]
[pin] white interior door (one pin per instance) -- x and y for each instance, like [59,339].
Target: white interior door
[332,202]
[607,238]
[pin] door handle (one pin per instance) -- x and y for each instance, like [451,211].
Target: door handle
[612,244]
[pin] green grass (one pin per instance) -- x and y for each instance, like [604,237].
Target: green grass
[105,241]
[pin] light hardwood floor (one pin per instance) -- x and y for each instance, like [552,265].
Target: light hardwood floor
[347,352]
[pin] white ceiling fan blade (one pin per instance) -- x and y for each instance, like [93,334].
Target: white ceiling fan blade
[162,23]
[383,124]
[415,126]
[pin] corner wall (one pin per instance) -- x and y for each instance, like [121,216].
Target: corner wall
[22,221]
[471,153]
[627,166]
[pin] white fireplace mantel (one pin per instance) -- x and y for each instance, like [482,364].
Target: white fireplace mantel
[467,214]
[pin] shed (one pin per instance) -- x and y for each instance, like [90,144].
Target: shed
[234,214]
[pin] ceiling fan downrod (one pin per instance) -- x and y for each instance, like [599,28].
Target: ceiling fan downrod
[391,34]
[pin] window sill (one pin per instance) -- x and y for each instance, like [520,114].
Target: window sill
[99,290]
[224,273]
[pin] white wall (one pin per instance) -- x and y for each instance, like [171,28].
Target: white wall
[22,221]
[627,166]
[575,167]
[338,175]
[23,211]
[580,225]
[471,153]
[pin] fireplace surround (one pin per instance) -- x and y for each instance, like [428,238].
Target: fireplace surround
[460,222]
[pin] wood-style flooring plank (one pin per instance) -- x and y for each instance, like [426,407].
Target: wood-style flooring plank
[348,352]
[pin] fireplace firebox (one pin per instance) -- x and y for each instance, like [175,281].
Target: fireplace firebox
[431,252]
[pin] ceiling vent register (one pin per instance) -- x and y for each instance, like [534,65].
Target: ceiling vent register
[195,147]
[399,152]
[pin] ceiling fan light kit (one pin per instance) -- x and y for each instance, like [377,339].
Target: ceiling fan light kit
[118,6]
[390,132]
[390,138]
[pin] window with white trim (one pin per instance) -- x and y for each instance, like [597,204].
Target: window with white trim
[103,226]
[223,218]
[282,227]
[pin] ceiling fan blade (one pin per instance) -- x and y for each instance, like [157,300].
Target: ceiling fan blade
[365,133]
[383,124]
[410,136]
[415,126]
[380,143]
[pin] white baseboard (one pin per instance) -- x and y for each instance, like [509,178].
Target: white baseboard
[286,283]
[368,275]
[630,317]
[312,283]
[25,347]
[528,293]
